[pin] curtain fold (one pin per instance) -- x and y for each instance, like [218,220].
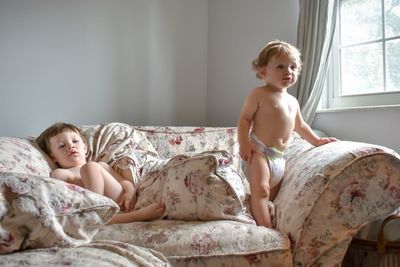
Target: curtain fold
[316,27]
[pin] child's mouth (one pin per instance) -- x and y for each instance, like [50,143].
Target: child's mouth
[72,153]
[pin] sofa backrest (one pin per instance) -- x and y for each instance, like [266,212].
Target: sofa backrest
[22,155]
[169,141]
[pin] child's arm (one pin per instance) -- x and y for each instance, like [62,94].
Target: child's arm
[128,200]
[305,131]
[243,127]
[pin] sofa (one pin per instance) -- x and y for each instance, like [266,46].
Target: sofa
[328,193]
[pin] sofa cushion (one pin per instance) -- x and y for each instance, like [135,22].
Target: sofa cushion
[202,186]
[206,243]
[21,155]
[37,212]
[105,253]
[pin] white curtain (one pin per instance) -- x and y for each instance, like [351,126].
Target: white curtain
[315,31]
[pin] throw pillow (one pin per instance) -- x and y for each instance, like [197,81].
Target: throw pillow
[23,155]
[204,186]
[39,212]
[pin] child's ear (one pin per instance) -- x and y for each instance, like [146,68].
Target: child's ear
[262,71]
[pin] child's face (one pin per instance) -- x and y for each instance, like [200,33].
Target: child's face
[281,72]
[68,149]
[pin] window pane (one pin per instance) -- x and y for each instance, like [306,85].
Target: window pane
[360,20]
[393,67]
[392,13]
[362,69]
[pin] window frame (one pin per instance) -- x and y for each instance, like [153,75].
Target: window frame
[332,98]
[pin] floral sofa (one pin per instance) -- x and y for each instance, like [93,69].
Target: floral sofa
[328,194]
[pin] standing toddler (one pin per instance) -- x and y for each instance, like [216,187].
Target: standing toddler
[268,118]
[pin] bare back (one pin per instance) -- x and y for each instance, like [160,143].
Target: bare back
[274,116]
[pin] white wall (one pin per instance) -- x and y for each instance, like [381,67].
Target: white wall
[379,126]
[238,29]
[92,61]
[55,57]
[178,62]
[160,62]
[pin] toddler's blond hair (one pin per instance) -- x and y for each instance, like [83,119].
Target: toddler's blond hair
[272,49]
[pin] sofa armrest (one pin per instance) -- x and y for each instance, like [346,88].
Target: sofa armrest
[330,192]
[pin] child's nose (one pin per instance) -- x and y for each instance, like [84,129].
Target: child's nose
[288,71]
[71,145]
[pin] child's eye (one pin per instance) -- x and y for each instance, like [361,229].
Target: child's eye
[280,66]
[75,141]
[61,146]
[294,67]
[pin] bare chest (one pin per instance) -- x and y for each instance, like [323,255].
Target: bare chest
[279,109]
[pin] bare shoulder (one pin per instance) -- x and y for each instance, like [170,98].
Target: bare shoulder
[293,100]
[257,94]
[259,90]
[61,174]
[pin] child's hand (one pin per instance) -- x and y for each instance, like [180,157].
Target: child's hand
[325,140]
[245,151]
[128,199]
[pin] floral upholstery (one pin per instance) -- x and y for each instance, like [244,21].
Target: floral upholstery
[343,176]
[332,191]
[171,141]
[106,253]
[203,186]
[40,212]
[121,146]
[212,243]
[327,195]
[22,155]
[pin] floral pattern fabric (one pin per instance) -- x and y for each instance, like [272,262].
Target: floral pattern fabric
[203,186]
[22,155]
[105,253]
[211,243]
[40,212]
[175,180]
[172,141]
[341,175]
[120,146]
[328,194]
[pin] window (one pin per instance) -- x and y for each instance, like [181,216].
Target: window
[365,62]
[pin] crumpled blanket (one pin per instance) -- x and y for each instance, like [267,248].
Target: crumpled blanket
[120,146]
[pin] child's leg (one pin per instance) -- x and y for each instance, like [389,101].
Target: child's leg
[151,212]
[98,180]
[259,173]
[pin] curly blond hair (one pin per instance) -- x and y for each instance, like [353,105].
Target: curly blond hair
[272,49]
